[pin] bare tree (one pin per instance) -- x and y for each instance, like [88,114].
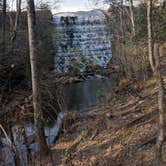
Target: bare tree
[164,4]
[132,17]
[4,25]
[18,6]
[38,115]
[161,105]
[150,38]
[122,29]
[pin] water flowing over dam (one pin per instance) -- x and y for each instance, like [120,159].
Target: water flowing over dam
[81,40]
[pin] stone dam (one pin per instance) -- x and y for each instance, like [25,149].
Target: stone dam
[81,40]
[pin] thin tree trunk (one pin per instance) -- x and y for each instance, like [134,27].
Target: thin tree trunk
[161,106]
[4,26]
[16,21]
[11,142]
[17,159]
[150,38]
[38,115]
[164,5]
[1,159]
[123,37]
[132,17]
[29,157]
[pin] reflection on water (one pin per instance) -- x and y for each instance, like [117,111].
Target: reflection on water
[88,93]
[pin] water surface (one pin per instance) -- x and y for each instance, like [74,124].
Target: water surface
[85,94]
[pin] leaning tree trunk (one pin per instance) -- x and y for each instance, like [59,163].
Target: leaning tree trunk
[38,115]
[150,38]
[161,106]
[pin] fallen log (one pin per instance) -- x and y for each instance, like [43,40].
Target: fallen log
[142,118]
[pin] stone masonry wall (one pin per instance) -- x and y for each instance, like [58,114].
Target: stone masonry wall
[81,40]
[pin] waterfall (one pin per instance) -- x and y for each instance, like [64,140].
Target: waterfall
[82,39]
[51,134]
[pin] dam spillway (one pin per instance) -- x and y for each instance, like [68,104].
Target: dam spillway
[81,40]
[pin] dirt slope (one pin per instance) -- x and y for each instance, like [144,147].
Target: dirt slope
[122,132]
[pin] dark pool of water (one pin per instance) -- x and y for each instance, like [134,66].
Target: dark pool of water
[82,95]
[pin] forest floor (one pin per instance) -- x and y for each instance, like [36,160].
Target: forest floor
[121,132]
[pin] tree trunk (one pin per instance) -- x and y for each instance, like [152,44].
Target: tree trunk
[18,5]
[150,38]
[29,157]
[123,38]
[4,26]
[164,4]
[38,115]
[161,106]
[17,159]
[132,17]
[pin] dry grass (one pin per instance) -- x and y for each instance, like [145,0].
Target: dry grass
[118,136]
